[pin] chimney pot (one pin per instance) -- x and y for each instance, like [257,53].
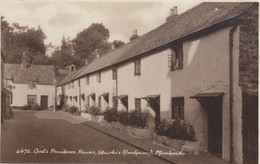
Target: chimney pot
[112,46]
[175,10]
[72,68]
[24,61]
[135,32]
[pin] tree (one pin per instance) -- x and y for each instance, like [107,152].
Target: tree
[118,43]
[17,39]
[94,37]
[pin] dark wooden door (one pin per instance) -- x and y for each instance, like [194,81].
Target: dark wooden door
[44,102]
[250,128]
[215,126]
[155,105]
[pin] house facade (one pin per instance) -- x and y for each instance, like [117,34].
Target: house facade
[200,67]
[30,83]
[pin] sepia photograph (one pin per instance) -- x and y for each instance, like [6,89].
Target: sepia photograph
[126,81]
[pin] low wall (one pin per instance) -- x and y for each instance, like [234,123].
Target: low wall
[90,117]
[142,133]
[189,147]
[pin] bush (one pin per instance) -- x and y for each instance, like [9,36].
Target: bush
[138,118]
[94,110]
[111,115]
[135,118]
[177,130]
[73,109]
[163,128]
[123,117]
[33,106]
[26,107]
[77,113]
[86,109]
[65,107]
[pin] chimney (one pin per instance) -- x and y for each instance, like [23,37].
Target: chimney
[135,32]
[173,14]
[72,68]
[24,61]
[134,36]
[112,46]
[97,54]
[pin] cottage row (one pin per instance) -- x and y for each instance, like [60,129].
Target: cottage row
[200,66]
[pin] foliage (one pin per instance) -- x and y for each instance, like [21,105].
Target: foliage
[163,128]
[65,107]
[73,109]
[135,118]
[33,106]
[118,43]
[133,37]
[17,39]
[177,130]
[123,117]
[91,38]
[77,113]
[111,115]
[138,118]
[94,110]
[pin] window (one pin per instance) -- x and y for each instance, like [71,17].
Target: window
[138,104]
[137,67]
[99,77]
[32,86]
[178,108]
[31,99]
[114,73]
[99,101]
[175,59]
[87,80]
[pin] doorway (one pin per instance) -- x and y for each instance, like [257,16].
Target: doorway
[44,102]
[214,113]
[212,103]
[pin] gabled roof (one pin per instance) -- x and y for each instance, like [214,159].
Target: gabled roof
[71,76]
[201,17]
[42,74]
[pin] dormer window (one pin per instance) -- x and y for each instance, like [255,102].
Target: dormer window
[31,85]
[175,59]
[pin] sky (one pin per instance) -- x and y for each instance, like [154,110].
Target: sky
[69,17]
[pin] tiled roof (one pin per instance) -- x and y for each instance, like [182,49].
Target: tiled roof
[71,76]
[200,17]
[42,74]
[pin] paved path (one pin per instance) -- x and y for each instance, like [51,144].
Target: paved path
[46,134]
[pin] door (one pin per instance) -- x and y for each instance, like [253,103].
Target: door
[155,105]
[44,102]
[250,128]
[214,112]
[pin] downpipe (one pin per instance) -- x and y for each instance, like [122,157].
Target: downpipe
[231,44]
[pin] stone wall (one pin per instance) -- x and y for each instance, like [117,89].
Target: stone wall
[248,59]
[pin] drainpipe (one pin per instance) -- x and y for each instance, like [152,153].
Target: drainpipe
[116,87]
[79,96]
[231,39]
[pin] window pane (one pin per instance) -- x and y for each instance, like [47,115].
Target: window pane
[178,108]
